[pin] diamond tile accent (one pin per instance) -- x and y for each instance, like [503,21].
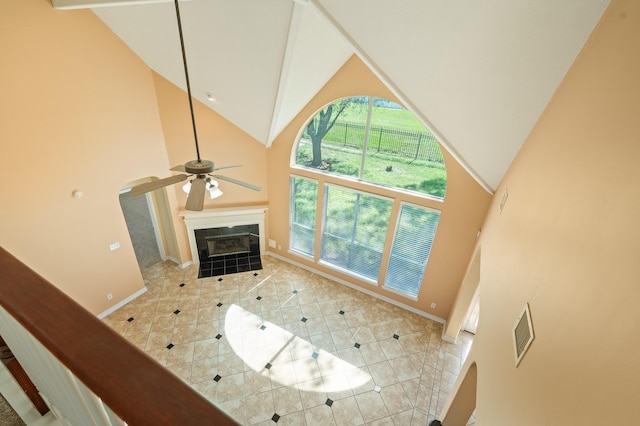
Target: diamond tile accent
[255,274]
[212,352]
[177,311]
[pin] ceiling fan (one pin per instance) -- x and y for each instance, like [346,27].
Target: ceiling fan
[202,169]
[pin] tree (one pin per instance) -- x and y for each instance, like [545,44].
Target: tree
[321,124]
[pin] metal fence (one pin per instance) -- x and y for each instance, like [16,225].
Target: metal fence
[407,144]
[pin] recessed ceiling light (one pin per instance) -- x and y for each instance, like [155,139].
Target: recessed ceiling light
[210,97]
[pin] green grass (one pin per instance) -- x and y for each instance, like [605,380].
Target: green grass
[402,153]
[384,117]
[421,176]
[393,131]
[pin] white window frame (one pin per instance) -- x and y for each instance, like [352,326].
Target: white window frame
[292,205]
[339,268]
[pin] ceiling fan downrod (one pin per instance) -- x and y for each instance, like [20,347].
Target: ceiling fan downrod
[186,76]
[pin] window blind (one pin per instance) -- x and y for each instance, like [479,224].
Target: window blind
[304,199]
[413,238]
[355,225]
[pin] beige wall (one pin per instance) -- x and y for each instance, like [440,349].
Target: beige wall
[463,209]
[567,243]
[77,111]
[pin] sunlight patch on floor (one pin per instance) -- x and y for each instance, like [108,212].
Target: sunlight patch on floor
[286,358]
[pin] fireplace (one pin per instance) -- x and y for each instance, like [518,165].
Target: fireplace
[226,241]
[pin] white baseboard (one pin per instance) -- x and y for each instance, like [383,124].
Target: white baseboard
[122,303]
[447,338]
[139,292]
[177,261]
[364,290]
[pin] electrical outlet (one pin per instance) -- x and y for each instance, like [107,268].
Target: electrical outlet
[109,296]
[114,246]
[433,305]
[272,243]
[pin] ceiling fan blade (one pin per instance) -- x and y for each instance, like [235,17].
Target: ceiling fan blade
[156,184]
[179,168]
[227,167]
[195,199]
[238,182]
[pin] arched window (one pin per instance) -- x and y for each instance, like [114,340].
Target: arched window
[373,140]
[376,141]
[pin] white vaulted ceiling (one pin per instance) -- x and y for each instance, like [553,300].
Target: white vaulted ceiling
[478,73]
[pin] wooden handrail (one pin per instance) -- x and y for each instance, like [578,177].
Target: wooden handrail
[138,389]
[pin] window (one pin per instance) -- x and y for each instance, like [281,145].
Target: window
[304,194]
[373,140]
[415,231]
[355,228]
[381,144]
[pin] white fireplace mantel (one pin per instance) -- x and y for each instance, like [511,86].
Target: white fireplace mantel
[222,217]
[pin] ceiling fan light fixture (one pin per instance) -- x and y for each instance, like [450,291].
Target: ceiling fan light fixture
[212,187]
[187,187]
[214,192]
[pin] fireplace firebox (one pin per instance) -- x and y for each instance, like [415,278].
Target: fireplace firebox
[221,245]
[228,250]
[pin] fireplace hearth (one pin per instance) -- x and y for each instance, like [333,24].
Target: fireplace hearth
[226,256]
[228,250]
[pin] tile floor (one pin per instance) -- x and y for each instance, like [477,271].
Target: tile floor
[284,346]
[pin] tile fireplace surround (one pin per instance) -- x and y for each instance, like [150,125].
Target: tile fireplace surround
[205,222]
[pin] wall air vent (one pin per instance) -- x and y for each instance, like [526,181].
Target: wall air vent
[522,334]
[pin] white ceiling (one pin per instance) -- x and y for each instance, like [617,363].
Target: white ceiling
[478,72]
